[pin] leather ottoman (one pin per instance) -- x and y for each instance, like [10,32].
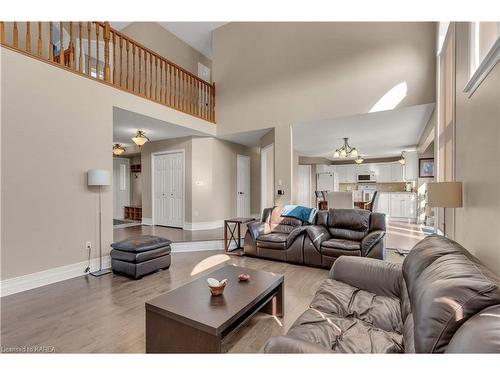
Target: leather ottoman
[139,256]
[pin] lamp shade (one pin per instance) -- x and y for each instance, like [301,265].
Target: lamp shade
[444,194]
[98,177]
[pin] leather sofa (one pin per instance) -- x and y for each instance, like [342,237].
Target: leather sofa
[334,233]
[276,237]
[340,232]
[440,300]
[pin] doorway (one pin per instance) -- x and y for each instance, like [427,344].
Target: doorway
[304,186]
[243,186]
[121,186]
[267,176]
[168,188]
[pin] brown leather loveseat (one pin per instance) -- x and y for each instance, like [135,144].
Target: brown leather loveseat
[334,233]
[440,300]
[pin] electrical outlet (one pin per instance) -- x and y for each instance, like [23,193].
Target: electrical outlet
[88,245]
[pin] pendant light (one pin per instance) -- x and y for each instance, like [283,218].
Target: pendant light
[359,160]
[118,149]
[402,159]
[140,138]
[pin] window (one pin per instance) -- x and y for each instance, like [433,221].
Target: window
[484,52]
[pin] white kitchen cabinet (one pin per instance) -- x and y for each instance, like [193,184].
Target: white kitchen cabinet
[411,166]
[347,173]
[396,172]
[403,205]
[384,172]
[322,168]
[384,203]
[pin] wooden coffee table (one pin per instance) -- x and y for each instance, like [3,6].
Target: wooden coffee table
[189,320]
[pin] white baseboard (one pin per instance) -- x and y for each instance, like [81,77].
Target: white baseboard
[54,275]
[180,247]
[147,221]
[203,225]
[50,276]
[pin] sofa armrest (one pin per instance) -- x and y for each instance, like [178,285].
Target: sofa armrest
[256,229]
[318,234]
[370,240]
[373,275]
[294,234]
[287,344]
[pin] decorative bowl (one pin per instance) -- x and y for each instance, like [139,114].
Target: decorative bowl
[244,277]
[217,290]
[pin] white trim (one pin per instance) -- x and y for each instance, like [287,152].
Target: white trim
[182,247]
[153,154]
[482,71]
[147,221]
[70,271]
[50,276]
[203,225]
[263,174]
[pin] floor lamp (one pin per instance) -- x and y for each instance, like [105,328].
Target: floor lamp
[100,178]
[444,195]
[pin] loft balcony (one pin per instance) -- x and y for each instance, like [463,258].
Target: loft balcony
[97,51]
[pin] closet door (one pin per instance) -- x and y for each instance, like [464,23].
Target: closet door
[169,189]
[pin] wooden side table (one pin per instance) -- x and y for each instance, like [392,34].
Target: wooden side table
[230,227]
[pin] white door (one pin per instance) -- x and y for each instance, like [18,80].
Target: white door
[243,186]
[304,188]
[121,186]
[168,189]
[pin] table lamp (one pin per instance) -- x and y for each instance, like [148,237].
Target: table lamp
[444,195]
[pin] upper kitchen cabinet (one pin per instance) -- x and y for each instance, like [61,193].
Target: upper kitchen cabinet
[383,172]
[347,173]
[397,172]
[411,166]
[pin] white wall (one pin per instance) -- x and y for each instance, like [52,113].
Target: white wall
[56,125]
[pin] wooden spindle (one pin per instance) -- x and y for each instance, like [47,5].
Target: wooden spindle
[28,37]
[171,85]
[150,75]
[140,70]
[161,81]
[156,77]
[114,58]
[133,67]
[80,47]
[128,66]
[71,48]
[89,29]
[2,32]
[213,102]
[51,43]
[15,41]
[39,47]
[105,36]
[146,90]
[121,61]
[97,50]
[61,46]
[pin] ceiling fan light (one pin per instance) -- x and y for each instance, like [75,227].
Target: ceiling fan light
[140,138]
[118,149]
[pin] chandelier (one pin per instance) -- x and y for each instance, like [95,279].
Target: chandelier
[140,138]
[118,149]
[346,151]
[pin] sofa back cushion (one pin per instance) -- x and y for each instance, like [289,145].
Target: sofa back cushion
[446,286]
[280,224]
[349,224]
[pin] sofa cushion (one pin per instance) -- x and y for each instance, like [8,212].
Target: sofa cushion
[141,243]
[275,240]
[446,286]
[277,223]
[344,335]
[337,298]
[348,224]
[139,257]
[337,243]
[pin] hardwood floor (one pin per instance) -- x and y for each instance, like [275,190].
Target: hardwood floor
[107,315]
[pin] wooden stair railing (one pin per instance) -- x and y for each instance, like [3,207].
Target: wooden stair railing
[99,52]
